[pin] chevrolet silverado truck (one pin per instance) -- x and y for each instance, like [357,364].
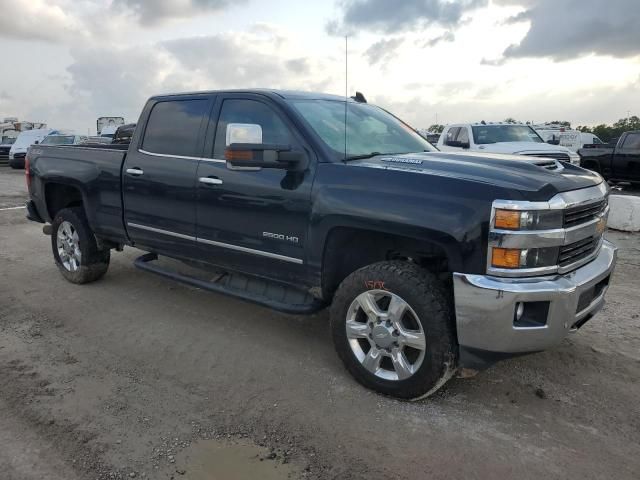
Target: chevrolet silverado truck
[430,261]
[617,162]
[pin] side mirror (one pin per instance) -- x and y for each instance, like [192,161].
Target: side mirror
[256,156]
[465,145]
[36,142]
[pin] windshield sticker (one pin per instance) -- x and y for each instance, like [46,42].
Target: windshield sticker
[412,161]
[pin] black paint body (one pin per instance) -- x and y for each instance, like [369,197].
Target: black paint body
[445,199]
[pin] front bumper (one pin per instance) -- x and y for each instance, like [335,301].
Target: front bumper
[486,309]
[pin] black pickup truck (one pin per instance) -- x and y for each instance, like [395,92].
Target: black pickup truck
[617,162]
[431,261]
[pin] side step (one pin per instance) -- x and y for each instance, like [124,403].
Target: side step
[257,290]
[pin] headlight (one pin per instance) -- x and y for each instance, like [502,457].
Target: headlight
[574,158]
[524,258]
[528,219]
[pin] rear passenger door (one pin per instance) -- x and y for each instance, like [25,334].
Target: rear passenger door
[160,173]
[626,161]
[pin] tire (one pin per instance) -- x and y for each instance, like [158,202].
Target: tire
[81,261]
[404,370]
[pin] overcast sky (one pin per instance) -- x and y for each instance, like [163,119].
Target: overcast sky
[67,62]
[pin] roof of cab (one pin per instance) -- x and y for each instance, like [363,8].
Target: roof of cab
[286,94]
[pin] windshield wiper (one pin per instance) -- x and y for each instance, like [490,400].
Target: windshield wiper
[361,157]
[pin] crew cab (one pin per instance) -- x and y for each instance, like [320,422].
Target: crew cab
[508,138]
[616,162]
[430,261]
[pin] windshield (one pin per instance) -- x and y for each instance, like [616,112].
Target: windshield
[7,140]
[484,134]
[58,140]
[369,128]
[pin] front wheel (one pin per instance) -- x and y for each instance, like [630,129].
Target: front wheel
[75,249]
[393,329]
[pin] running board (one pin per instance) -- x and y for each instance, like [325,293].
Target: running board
[256,290]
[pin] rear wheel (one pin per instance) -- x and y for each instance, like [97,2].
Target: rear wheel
[392,328]
[75,248]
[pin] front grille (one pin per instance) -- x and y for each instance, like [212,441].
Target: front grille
[4,154]
[583,214]
[577,251]
[563,157]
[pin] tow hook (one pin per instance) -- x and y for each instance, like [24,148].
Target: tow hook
[46,229]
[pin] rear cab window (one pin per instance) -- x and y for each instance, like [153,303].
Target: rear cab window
[174,126]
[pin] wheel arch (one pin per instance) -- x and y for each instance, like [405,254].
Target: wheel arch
[59,195]
[346,249]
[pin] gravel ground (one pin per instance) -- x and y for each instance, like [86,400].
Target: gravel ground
[138,377]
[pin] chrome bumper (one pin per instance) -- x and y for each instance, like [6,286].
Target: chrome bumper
[486,306]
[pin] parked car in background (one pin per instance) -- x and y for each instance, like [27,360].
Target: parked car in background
[124,133]
[509,138]
[10,128]
[63,139]
[5,146]
[617,162]
[96,140]
[430,260]
[109,131]
[431,137]
[111,123]
[19,148]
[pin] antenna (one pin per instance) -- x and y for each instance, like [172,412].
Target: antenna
[346,90]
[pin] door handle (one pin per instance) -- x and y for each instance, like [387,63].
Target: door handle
[210,180]
[136,172]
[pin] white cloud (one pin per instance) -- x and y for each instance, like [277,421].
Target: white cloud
[153,12]
[40,20]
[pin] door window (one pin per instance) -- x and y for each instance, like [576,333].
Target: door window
[463,136]
[173,127]
[274,130]
[451,136]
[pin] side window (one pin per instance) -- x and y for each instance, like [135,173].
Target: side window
[463,135]
[632,142]
[274,129]
[451,136]
[173,127]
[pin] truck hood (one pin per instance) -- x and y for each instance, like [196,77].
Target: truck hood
[507,171]
[522,148]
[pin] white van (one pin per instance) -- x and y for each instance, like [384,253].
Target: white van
[574,140]
[508,138]
[19,148]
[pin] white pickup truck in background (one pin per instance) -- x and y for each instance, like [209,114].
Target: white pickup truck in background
[508,138]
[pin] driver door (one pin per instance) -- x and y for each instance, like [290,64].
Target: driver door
[253,220]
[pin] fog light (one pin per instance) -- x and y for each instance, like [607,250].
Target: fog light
[519,311]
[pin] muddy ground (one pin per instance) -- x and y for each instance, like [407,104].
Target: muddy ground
[138,377]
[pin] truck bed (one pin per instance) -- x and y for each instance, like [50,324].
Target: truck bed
[97,171]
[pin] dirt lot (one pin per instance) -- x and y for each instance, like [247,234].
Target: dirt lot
[138,377]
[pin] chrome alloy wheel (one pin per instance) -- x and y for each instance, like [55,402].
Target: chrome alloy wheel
[385,335]
[68,244]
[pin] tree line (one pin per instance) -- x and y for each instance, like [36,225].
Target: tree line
[607,133]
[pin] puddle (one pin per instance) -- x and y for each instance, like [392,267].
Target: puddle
[237,460]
